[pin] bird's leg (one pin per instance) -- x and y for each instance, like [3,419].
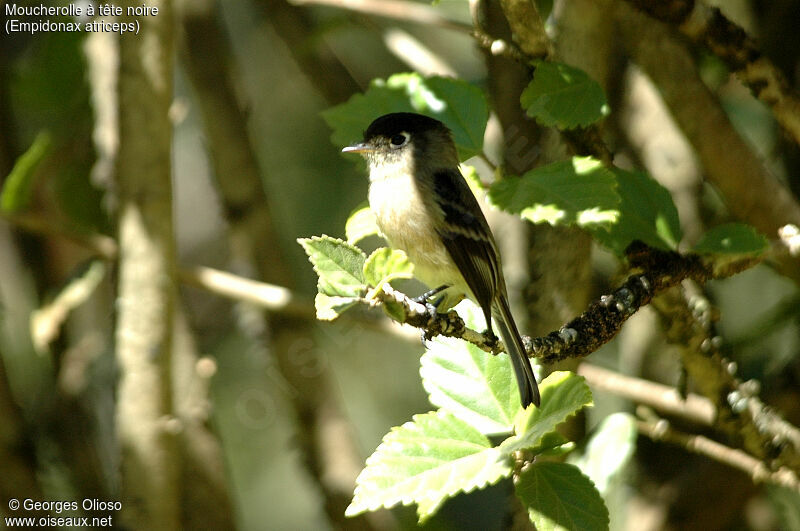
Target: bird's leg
[491,339]
[431,307]
[425,297]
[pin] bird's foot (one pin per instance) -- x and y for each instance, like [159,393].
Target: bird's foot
[425,298]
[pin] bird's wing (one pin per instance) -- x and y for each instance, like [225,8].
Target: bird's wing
[467,236]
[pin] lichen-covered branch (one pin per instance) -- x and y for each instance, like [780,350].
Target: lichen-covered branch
[657,271]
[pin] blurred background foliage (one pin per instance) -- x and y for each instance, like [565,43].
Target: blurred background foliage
[284,466]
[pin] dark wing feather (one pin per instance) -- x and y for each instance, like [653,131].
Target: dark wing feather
[467,237]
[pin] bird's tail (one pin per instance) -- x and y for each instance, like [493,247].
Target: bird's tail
[526,381]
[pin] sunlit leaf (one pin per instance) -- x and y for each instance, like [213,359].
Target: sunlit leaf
[360,224]
[563,394]
[385,265]
[580,191]
[426,461]
[339,265]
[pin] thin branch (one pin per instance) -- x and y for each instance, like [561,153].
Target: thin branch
[663,398]
[267,296]
[394,9]
[99,244]
[698,444]
[709,27]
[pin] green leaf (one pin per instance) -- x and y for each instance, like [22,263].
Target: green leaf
[329,307]
[563,96]
[339,265]
[360,224]
[563,394]
[460,106]
[578,191]
[733,238]
[559,496]
[609,450]
[385,265]
[426,461]
[553,444]
[473,385]
[647,213]
[18,187]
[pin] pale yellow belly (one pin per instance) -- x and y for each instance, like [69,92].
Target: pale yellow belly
[406,224]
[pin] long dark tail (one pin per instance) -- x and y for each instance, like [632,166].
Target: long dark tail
[526,381]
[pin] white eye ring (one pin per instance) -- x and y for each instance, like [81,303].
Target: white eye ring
[399,140]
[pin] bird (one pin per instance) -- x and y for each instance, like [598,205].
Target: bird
[424,207]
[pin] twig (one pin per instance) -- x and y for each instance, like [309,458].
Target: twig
[267,296]
[99,244]
[708,26]
[394,9]
[663,398]
[698,444]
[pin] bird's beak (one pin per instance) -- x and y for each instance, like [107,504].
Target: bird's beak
[358,148]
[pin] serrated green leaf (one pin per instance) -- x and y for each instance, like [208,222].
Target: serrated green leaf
[360,224]
[339,265]
[578,191]
[559,497]
[329,307]
[460,106]
[732,238]
[647,213]
[385,265]
[473,385]
[563,394]
[426,461]
[18,187]
[563,96]
[609,450]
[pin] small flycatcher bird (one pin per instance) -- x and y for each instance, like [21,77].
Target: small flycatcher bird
[424,207]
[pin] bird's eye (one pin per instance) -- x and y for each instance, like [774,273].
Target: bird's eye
[398,140]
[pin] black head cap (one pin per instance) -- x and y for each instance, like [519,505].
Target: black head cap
[397,122]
